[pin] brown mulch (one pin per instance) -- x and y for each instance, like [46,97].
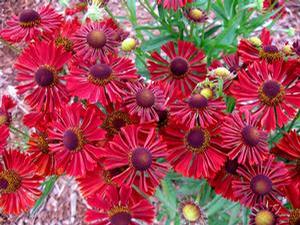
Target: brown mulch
[65,205]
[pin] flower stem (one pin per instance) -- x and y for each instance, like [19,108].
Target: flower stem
[10,46]
[14,129]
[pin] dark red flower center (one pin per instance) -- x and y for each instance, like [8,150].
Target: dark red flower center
[261,185]
[197,139]
[198,101]
[45,76]
[121,218]
[231,166]
[10,181]
[96,39]
[250,135]
[115,121]
[163,116]
[145,98]
[179,66]
[271,88]
[3,183]
[141,158]
[29,18]
[100,71]
[270,49]
[118,123]
[73,139]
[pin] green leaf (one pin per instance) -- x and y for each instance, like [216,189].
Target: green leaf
[156,43]
[47,188]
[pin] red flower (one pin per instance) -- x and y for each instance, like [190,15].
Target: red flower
[101,82]
[94,40]
[289,145]
[116,208]
[19,184]
[4,133]
[95,182]
[222,181]
[292,192]
[74,137]
[114,118]
[32,24]
[267,214]
[182,70]
[255,49]
[245,140]
[194,152]
[39,69]
[261,183]
[136,151]
[144,100]
[267,90]
[198,110]
[40,153]
[173,4]
[6,105]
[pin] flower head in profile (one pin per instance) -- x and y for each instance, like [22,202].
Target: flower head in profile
[32,24]
[173,4]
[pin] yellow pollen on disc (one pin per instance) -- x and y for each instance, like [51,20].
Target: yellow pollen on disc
[287,49]
[264,217]
[255,41]
[3,119]
[191,212]
[196,14]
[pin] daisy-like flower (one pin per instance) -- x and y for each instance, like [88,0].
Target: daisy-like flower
[74,137]
[173,4]
[4,133]
[103,81]
[196,15]
[39,68]
[136,151]
[246,141]
[258,48]
[114,118]
[292,193]
[269,90]
[94,40]
[194,152]
[95,182]
[261,183]
[64,34]
[181,70]
[117,208]
[289,145]
[192,214]
[6,105]
[143,100]
[268,214]
[198,110]
[19,184]
[222,181]
[31,24]
[41,155]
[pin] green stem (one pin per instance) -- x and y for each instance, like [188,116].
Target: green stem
[110,14]
[12,128]
[293,122]
[11,47]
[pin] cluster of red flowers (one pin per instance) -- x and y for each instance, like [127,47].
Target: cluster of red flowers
[95,118]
